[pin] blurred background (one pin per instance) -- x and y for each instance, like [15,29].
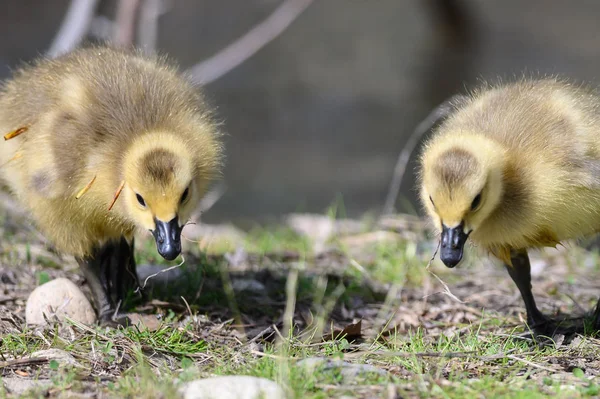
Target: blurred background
[319,114]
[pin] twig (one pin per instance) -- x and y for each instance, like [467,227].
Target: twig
[230,294]
[23,362]
[512,336]
[147,31]
[160,272]
[85,328]
[446,288]
[283,345]
[245,47]
[269,355]
[117,194]
[212,197]
[101,28]
[471,354]
[269,331]
[124,26]
[86,188]
[450,355]
[532,364]
[39,334]
[116,312]
[434,116]
[74,27]
[187,305]
[15,133]
[577,304]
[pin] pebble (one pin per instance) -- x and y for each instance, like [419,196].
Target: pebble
[19,386]
[56,299]
[320,228]
[232,387]
[61,356]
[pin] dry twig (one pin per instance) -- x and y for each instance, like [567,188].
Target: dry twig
[211,198]
[160,272]
[150,11]
[446,288]
[23,362]
[245,47]
[74,27]
[434,116]
[124,26]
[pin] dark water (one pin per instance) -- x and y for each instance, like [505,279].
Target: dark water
[323,111]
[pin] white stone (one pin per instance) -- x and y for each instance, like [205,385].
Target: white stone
[57,299]
[19,386]
[61,356]
[232,387]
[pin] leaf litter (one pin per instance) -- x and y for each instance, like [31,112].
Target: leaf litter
[434,331]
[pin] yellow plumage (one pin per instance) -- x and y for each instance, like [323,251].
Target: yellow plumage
[96,118]
[514,167]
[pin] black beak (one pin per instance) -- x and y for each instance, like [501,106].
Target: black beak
[452,242]
[168,238]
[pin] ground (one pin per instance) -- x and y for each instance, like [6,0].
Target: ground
[357,293]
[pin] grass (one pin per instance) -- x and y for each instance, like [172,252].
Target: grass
[282,303]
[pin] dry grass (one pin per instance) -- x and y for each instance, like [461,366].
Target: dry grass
[366,298]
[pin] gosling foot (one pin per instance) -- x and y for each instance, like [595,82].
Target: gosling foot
[111,275]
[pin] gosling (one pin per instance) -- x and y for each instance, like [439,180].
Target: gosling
[101,143]
[514,167]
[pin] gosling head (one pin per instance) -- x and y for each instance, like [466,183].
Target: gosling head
[163,185]
[461,186]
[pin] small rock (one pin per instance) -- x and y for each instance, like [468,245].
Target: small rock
[357,245]
[249,285]
[57,299]
[145,321]
[237,257]
[320,228]
[64,358]
[347,370]
[19,386]
[232,387]
[370,238]
[214,238]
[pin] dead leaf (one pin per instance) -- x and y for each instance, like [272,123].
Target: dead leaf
[151,322]
[351,332]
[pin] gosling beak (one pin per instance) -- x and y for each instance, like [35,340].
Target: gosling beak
[453,242]
[168,238]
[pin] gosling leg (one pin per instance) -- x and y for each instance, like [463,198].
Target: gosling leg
[122,275]
[520,272]
[111,275]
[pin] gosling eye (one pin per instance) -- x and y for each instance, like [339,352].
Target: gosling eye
[431,199]
[140,200]
[185,195]
[476,202]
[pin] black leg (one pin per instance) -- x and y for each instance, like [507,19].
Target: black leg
[122,275]
[520,272]
[111,274]
[91,268]
[541,325]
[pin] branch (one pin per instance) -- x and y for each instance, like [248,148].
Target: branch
[150,11]
[101,28]
[74,27]
[245,47]
[124,25]
[434,116]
